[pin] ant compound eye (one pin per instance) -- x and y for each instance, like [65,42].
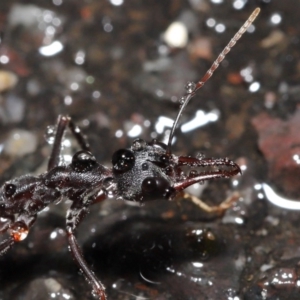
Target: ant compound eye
[123,160]
[9,189]
[138,145]
[155,188]
[83,161]
[149,185]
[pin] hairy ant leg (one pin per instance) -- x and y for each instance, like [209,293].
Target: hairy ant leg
[81,203]
[74,216]
[6,245]
[82,162]
[62,123]
[81,140]
[98,287]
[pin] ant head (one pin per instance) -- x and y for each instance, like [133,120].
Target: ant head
[142,173]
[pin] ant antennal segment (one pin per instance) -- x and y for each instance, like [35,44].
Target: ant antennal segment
[192,87]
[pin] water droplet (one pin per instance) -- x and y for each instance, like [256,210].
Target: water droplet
[18,231]
[190,87]
[138,145]
[193,173]
[182,100]
[200,156]
[50,134]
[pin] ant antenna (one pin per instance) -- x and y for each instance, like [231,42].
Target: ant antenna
[192,87]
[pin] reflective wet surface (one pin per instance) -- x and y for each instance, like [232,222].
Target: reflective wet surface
[119,68]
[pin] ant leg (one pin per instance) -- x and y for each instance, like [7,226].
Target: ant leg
[81,140]
[219,209]
[6,244]
[74,216]
[100,197]
[98,288]
[62,123]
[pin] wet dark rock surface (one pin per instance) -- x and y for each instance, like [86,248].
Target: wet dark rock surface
[108,65]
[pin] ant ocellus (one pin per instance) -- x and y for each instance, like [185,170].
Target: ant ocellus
[146,171]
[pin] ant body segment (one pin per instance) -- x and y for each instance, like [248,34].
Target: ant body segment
[144,172]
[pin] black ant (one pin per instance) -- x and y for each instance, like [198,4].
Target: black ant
[145,172]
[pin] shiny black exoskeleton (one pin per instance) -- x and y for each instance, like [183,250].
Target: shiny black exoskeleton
[143,173]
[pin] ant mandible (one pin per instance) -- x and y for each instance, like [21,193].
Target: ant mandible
[146,171]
